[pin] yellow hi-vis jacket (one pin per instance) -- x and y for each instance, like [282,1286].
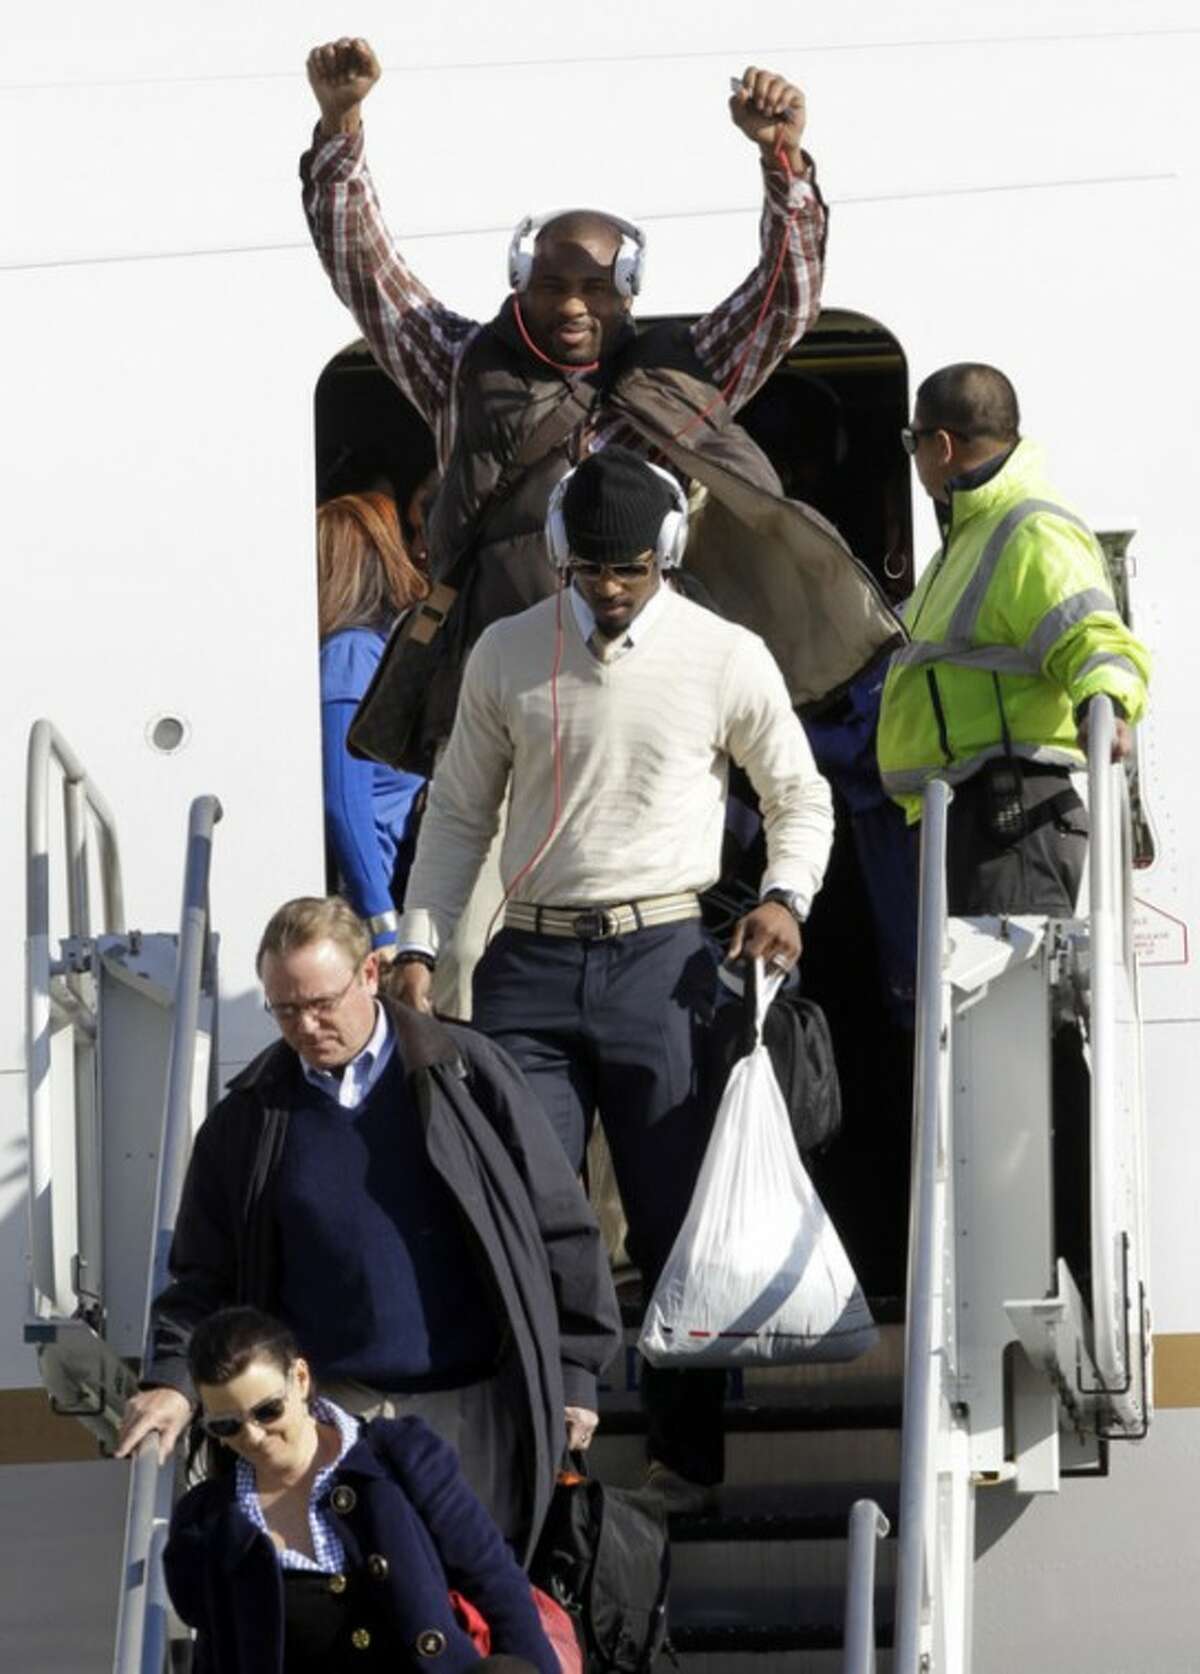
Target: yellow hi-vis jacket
[1016,611]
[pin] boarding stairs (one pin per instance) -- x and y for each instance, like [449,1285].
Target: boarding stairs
[121,1053]
[844,1537]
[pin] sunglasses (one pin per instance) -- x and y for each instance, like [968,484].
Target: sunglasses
[634,571]
[911,435]
[224,1427]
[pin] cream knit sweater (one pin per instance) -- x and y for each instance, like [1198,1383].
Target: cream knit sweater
[645,740]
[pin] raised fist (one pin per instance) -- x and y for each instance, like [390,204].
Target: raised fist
[770,111]
[341,74]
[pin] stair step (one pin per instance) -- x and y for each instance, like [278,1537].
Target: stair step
[811,1660]
[775,1512]
[874,1379]
[765,1619]
[772,1568]
[759,1420]
[796,1457]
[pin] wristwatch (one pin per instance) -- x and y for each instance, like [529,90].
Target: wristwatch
[415,956]
[786,898]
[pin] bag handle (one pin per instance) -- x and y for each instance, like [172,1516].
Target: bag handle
[761,989]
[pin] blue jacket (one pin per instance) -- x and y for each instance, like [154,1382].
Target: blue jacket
[410,1506]
[368,807]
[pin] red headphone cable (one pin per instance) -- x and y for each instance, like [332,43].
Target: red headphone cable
[772,285]
[592,366]
[570,371]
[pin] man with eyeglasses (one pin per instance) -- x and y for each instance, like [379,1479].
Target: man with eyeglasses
[1014,631]
[389,1187]
[610,715]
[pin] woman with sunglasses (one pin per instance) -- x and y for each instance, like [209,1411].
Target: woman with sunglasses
[317,1544]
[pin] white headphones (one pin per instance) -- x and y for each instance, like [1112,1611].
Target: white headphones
[627,269]
[672,531]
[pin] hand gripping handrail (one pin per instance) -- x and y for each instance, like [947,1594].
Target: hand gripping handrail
[83,809]
[868,1526]
[920,1392]
[1111,911]
[141,1639]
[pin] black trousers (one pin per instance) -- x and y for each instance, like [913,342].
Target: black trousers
[1038,872]
[613,1028]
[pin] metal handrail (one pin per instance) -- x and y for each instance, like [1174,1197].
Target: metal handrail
[1110,908]
[83,809]
[141,1618]
[868,1526]
[920,1393]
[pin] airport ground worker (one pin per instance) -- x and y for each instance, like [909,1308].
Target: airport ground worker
[609,715]
[1014,631]
[389,1187]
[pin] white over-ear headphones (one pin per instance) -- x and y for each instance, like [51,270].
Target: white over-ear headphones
[627,269]
[672,531]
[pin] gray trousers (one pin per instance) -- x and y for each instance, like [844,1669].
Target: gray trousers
[481,1422]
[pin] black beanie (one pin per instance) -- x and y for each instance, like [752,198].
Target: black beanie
[614,507]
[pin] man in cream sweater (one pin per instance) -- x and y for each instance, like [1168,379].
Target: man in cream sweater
[609,716]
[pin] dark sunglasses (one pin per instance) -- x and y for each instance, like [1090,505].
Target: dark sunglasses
[634,571]
[911,435]
[223,1428]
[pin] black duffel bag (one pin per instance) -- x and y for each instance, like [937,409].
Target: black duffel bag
[603,1554]
[796,1034]
[408,709]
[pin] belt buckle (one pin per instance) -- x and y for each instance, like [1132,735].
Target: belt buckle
[597,924]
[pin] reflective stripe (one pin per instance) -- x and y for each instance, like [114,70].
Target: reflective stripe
[997,659]
[1062,616]
[970,603]
[1104,659]
[911,781]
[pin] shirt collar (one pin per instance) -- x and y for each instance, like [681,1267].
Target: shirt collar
[361,1070]
[585,617]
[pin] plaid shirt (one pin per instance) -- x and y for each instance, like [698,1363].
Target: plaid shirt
[419,342]
[330,1555]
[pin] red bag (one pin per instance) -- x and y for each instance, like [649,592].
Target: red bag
[472,1623]
[560,1631]
[556,1625]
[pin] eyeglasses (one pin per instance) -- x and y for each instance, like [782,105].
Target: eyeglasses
[225,1426]
[911,435]
[634,570]
[321,1005]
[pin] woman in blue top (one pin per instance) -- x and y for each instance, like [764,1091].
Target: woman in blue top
[365,579]
[320,1545]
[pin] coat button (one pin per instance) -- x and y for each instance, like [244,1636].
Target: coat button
[431,1643]
[337,1583]
[378,1566]
[343,1500]
[360,1639]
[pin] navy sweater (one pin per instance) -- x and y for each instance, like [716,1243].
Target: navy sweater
[382,1282]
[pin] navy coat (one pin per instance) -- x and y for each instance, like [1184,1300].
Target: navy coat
[535,1236]
[410,1506]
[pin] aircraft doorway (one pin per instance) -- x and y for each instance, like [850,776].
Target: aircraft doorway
[829,419]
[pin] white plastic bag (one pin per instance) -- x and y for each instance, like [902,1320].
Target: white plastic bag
[757,1275]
